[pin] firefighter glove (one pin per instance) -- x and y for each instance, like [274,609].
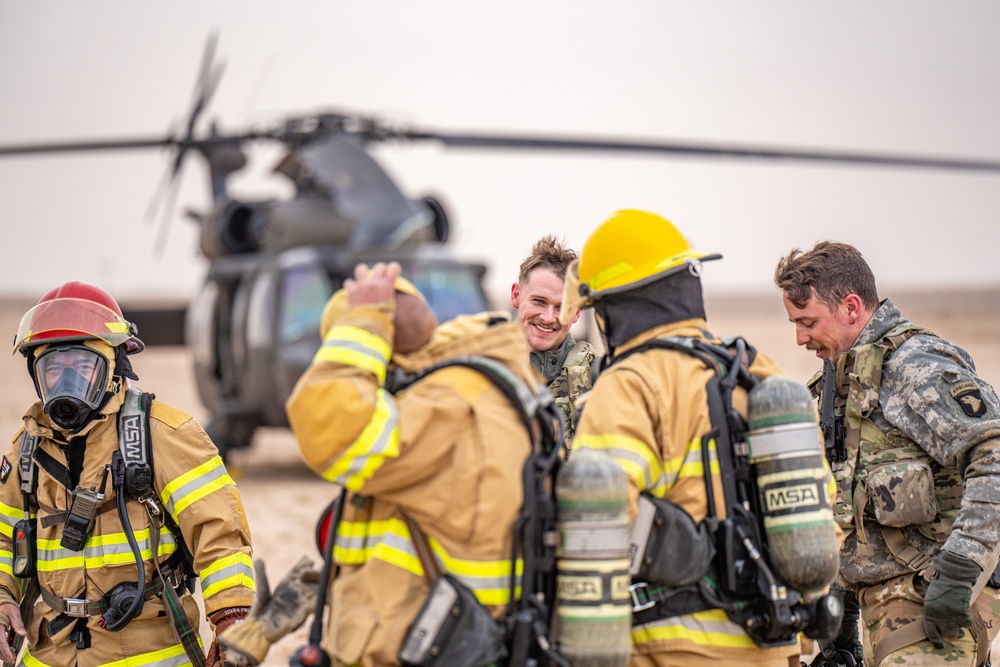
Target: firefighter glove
[10,618]
[273,615]
[846,648]
[948,597]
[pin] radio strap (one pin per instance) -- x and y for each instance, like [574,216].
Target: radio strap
[423,549]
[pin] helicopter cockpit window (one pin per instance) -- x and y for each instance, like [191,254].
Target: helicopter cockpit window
[449,291]
[304,293]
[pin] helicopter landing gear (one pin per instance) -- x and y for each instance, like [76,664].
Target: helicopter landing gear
[230,432]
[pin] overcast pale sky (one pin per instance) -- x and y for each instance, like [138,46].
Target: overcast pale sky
[894,76]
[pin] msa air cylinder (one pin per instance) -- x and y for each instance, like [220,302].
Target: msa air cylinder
[788,460]
[593,601]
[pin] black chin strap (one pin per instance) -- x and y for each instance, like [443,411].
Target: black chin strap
[30,358]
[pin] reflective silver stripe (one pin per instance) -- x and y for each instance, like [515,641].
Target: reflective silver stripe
[100,547]
[397,550]
[8,517]
[377,441]
[183,491]
[233,570]
[625,454]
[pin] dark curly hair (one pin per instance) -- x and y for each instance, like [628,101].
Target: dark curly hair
[834,270]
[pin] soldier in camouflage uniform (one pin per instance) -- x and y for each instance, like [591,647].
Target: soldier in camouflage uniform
[914,440]
[566,364]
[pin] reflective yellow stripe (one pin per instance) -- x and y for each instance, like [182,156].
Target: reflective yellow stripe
[8,517]
[7,562]
[356,347]
[378,441]
[225,573]
[173,656]
[640,462]
[689,464]
[194,485]
[704,628]
[404,560]
[389,541]
[102,550]
[30,660]
[637,459]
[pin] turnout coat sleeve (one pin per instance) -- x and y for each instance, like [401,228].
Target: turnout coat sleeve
[349,372]
[201,497]
[371,431]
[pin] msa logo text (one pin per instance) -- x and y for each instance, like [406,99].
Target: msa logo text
[131,435]
[579,588]
[791,497]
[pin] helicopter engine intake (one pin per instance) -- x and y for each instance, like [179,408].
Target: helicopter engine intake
[235,228]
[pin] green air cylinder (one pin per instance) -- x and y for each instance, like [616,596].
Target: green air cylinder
[593,601]
[788,460]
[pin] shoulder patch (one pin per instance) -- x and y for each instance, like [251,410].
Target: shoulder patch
[967,395]
[5,468]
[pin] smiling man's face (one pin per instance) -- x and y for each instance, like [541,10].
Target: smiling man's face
[827,330]
[537,300]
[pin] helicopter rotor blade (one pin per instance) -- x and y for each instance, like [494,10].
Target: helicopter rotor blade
[209,74]
[208,80]
[697,149]
[86,146]
[164,230]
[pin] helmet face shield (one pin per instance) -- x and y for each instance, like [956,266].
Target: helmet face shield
[71,380]
[576,295]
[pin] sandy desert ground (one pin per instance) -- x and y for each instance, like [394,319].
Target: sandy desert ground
[283,497]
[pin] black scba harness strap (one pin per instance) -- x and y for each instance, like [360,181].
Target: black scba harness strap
[528,619]
[132,475]
[740,581]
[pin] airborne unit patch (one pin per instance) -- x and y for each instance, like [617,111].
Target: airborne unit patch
[968,396]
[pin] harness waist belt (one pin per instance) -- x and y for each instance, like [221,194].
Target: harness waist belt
[652,602]
[81,608]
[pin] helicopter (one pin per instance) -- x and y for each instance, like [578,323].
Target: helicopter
[253,324]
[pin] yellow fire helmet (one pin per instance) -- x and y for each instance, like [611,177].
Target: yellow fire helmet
[630,249]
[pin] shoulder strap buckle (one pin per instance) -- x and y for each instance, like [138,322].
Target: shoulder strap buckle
[640,596]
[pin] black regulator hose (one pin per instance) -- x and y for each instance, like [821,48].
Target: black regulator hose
[312,654]
[121,497]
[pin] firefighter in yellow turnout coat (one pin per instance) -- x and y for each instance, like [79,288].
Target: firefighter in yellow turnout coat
[650,411]
[448,452]
[75,340]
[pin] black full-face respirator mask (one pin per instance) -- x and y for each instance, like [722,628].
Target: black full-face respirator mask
[73,381]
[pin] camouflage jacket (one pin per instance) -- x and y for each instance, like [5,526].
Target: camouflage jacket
[569,371]
[923,452]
